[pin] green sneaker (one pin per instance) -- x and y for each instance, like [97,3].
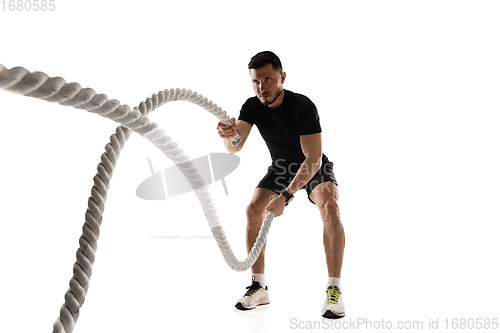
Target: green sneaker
[334,306]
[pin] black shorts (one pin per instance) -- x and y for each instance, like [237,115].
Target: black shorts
[279,176]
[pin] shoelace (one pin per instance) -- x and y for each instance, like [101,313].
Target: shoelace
[333,294]
[253,288]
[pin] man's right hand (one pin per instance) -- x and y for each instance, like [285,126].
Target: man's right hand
[227,131]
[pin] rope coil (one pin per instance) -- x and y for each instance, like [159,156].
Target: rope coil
[55,89]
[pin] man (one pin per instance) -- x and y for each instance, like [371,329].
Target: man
[289,124]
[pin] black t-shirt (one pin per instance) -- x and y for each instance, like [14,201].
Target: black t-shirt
[281,128]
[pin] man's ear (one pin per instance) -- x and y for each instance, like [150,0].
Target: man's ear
[283,77]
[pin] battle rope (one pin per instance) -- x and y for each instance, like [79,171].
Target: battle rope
[55,89]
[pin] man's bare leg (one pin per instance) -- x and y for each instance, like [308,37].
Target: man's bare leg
[255,217]
[326,196]
[257,293]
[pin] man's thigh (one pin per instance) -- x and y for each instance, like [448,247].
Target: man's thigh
[323,181]
[324,192]
[260,198]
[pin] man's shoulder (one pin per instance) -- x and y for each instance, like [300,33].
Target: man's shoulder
[298,99]
[252,102]
[249,110]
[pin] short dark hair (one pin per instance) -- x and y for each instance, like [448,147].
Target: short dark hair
[263,58]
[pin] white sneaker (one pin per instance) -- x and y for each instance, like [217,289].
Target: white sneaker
[256,295]
[334,305]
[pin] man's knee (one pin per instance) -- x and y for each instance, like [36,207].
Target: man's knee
[329,210]
[253,210]
[256,208]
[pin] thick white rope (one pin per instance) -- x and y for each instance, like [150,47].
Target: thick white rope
[39,85]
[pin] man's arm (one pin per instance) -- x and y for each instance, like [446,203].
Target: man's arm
[227,132]
[311,147]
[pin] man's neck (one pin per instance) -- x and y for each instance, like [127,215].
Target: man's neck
[277,103]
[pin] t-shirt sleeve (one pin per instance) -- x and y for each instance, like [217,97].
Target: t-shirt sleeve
[309,119]
[246,113]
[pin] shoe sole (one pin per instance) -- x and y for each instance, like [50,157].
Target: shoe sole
[330,315]
[239,306]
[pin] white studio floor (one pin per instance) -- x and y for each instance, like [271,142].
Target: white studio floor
[149,279]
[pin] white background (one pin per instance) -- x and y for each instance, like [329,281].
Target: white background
[407,93]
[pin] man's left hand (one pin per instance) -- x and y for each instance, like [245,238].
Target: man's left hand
[277,205]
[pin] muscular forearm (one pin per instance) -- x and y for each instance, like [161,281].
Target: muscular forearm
[229,131]
[305,173]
